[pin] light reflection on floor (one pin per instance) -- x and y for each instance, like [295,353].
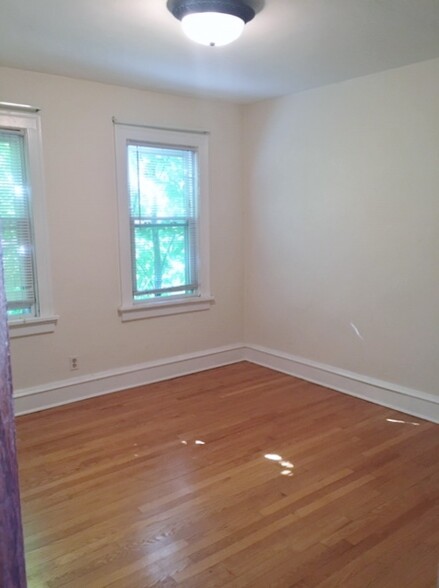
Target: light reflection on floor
[273,457]
[284,463]
[196,442]
[403,422]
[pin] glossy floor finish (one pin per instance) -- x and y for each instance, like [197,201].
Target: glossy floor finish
[235,477]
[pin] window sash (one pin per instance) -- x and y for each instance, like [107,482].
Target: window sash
[16,226]
[189,285]
[156,222]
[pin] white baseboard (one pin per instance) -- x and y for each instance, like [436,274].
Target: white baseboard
[58,393]
[413,402]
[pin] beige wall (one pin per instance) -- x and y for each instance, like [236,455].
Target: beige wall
[82,210]
[343,225]
[341,231]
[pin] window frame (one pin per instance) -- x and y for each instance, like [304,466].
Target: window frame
[30,124]
[196,141]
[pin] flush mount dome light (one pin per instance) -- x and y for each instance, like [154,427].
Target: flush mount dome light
[212,22]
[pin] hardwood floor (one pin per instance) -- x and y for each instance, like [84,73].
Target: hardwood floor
[235,477]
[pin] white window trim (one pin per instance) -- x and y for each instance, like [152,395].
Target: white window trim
[32,326]
[130,310]
[46,321]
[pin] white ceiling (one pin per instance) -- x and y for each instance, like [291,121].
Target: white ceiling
[291,45]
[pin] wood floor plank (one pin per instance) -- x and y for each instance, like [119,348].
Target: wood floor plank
[236,477]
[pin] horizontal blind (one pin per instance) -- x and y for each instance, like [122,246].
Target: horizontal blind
[16,225]
[163,218]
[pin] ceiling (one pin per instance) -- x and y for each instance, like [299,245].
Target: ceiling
[290,46]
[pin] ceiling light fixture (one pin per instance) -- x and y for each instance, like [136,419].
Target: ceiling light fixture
[212,22]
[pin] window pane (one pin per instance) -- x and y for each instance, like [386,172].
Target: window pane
[161,254]
[15,226]
[161,181]
[163,232]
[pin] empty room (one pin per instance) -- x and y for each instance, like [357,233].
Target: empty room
[219,296]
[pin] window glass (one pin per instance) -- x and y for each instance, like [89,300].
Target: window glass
[16,226]
[162,189]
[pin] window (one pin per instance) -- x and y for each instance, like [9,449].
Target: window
[22,225]
[162,187]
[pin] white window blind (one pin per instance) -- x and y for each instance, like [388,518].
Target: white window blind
[16,226]
[163,187]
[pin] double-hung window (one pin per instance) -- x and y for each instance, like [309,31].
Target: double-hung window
[162,188]
[22,225]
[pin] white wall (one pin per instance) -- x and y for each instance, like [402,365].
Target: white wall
[343,225]
[82,210]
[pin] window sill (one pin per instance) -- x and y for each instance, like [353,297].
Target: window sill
[143,311]
[32,326]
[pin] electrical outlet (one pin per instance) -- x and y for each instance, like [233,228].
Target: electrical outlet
[74,363]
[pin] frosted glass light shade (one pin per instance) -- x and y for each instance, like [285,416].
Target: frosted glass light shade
[212,28]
